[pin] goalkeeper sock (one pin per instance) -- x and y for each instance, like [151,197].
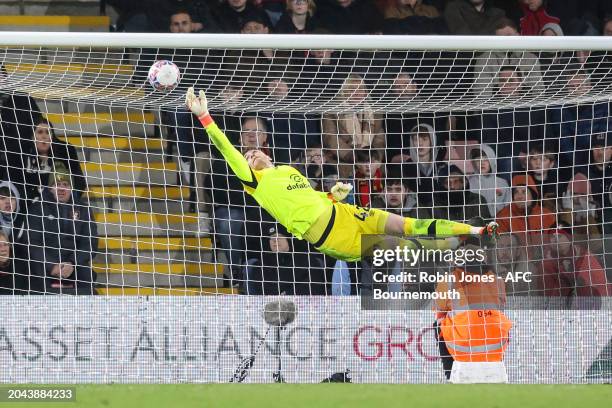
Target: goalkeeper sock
[432,227]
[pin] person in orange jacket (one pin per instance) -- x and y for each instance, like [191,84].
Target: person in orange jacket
[569,269]
[525,216]
[472,328]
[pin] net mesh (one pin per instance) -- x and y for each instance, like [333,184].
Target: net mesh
[248,80]
[156,210]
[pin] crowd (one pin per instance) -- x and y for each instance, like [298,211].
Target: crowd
[543,173]
[47,238]
[540,172]
[534,17]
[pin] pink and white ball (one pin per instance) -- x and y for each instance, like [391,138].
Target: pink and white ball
[164,75]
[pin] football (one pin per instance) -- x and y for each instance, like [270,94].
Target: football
[164,76]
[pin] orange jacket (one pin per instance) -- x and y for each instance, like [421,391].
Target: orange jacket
[527,225]
[473,326]
[581,273]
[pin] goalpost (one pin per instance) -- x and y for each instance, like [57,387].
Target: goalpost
[408,121]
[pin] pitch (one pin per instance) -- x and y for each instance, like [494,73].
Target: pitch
[337,395]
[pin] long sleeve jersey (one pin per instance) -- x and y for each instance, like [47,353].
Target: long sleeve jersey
[281,190]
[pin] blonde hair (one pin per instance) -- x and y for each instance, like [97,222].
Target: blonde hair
[312,7]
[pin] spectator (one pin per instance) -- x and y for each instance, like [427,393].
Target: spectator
[553,63]
[488,66]
[273,8]
[18,114]
[412,17]
[368,176]
[312,163]
[579,213]
[454,201]
[401,9]
[12,219]
[607,28]
[550,30]
[286,267]
[152,15]
[13,269]
[11,216]
[361,129]
[180,22]
[599,174]
[542,165]
[599,169]
[233,15]
[472,17]
[525,216]
[507,131]
[512,258]
[351,17]
[316,166]
[40,154]
[485,181]
[509,82]
[298,18]
[404,86]
[535,17]
[13,229]
[231,205]
[398,195]
[574,123]
[131,16]
[424,152]
[571,270]
[201,14]
[67,239]
[511,8]
[579,17]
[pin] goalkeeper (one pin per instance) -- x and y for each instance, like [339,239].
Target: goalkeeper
[333,227]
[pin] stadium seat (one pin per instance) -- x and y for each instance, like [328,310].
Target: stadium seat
[131,123]
[192,268]
[132,291]
[154,174]
[139,192]
[54,23]
[155,243]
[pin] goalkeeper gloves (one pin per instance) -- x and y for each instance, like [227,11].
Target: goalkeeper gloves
[340,191]
[197,104]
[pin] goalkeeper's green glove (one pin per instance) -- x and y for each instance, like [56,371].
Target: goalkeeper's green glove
[197,104]
[341,190]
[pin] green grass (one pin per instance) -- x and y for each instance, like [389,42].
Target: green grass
[336,396]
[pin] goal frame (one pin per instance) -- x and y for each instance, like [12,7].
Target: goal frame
[308,41]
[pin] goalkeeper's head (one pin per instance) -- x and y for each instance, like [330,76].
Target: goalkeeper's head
[258,160]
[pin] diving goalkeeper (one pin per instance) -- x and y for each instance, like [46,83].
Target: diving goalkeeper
[333,227]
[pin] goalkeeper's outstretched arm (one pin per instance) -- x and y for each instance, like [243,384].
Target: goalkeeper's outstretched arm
[199,106]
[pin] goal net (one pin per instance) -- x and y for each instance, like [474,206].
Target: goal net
[113,196]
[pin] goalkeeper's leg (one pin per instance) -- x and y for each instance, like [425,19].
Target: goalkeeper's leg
[397,225]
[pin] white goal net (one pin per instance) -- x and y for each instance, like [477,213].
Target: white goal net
[112,196]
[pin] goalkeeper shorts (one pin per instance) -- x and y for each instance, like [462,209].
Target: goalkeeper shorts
[341,238]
